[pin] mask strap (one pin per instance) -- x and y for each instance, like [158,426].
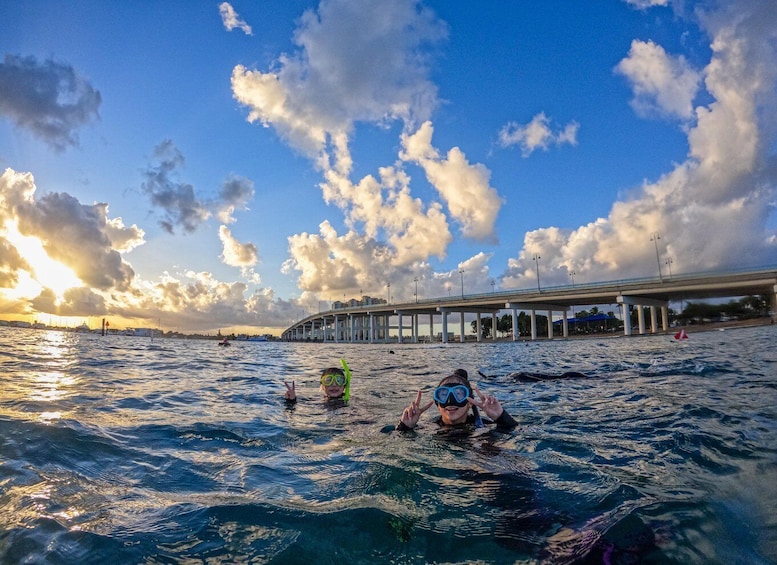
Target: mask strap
[347,371]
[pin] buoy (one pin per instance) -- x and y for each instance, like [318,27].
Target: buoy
[681,335]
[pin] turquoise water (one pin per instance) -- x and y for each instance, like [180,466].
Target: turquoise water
[130,450]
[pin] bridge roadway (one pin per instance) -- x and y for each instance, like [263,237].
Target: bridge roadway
[373,322]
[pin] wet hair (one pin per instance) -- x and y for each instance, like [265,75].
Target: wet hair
[458,376]
[332,371]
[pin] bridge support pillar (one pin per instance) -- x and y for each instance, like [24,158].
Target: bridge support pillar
[399,327]
[565,324]
[493,326]
[641,319]
[665,318]
[653,320]
[626,318]
[431,328]
[445,326]
[479,328]
[533,325]
[461,328]
[516,332]
[550,324]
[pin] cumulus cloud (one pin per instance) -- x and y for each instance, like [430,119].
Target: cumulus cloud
[235,194]
[47,98]
[714,209]
[231,20]
[11,262]
[464,187]
[663,85]
[537,134]
[77,235]
[200,302]
[178,201]
[314,97]
[237,254]
[381,73]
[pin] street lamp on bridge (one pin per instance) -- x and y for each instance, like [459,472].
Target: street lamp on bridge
[669,264]
[461,272]
[536,258]
[388,293]
[415,279]
[654,237]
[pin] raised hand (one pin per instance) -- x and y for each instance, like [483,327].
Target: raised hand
[291,391]
[413,412]
[488,403]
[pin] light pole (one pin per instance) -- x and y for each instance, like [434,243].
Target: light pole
[572,276]
[388,291]
[493,283]
[536,258]
[415,279]
[461,272]
[669,264]
[654,237]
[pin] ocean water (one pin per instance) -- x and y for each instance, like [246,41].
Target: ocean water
[131,450]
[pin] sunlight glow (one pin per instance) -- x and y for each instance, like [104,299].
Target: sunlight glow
[47,272]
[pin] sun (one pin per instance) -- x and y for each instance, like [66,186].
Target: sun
[46,273]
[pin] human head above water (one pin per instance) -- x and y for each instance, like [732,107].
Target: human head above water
[454,410]
[333,382]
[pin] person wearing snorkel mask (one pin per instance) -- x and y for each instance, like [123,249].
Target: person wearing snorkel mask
[454,397]
[335,384]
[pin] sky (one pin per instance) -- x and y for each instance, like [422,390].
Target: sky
[235,166]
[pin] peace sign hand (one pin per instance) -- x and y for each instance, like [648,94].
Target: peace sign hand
[413,412]
[291,391]
[487,402]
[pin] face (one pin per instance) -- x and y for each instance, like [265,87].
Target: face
[333,385]
[452,415]
[333,391]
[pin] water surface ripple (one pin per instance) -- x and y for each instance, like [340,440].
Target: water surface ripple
[131,450]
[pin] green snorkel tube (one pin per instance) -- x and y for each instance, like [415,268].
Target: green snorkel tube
[347,371]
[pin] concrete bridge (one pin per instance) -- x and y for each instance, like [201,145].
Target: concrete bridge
[374,323]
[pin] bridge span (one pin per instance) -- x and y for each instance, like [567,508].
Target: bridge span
[375,322]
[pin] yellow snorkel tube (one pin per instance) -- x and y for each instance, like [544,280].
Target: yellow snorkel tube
[347,371]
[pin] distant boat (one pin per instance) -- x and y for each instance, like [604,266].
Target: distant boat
[257,338]
[225,342]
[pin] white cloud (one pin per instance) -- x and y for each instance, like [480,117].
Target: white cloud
[645,4]
[313,99]
[237,254]
[77,235]
[316,94]
[464,186]
[663,85]
[231,20]
[537,134]
[714,209]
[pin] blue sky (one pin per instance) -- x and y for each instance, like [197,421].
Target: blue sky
[234,165]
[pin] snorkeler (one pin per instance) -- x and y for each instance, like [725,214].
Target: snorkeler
[335,384]
[454,396]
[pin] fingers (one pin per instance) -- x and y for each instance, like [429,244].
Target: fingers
[290,388]
[418,398]
[476,390]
